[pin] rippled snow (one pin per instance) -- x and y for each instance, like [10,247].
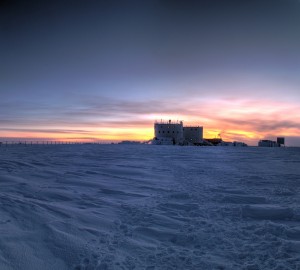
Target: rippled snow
[149,207]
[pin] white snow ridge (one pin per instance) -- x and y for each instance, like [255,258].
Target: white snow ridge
[149,207]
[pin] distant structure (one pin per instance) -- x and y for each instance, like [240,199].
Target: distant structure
[237,144]
[129,142]
[174,133]
[268,143]
[220,142]
[168,132]
[281,141]
[215,141]
[193,134]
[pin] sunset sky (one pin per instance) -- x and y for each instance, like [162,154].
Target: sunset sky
[93,70]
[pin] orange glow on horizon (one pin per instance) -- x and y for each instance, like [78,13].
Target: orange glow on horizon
[109,134]
[242,120]
[135,134]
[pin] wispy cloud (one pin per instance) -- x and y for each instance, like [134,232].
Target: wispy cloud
[235,119]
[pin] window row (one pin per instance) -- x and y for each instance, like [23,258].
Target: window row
[168,132]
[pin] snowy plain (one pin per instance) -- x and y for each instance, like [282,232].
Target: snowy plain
[149,207]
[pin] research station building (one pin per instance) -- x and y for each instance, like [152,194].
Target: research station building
[268,143]
[193,134]
[168,132]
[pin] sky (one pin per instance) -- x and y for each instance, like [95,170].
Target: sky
[106,70]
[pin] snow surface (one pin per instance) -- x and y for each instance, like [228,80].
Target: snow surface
[149,207]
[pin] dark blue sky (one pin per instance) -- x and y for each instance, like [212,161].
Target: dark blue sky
[95,69]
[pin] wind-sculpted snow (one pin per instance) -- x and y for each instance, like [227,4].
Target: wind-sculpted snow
[149,207]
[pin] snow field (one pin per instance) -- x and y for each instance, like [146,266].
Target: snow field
[149,207]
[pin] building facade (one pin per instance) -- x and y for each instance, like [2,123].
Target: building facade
[168,131]
[193,135]
[267,143]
